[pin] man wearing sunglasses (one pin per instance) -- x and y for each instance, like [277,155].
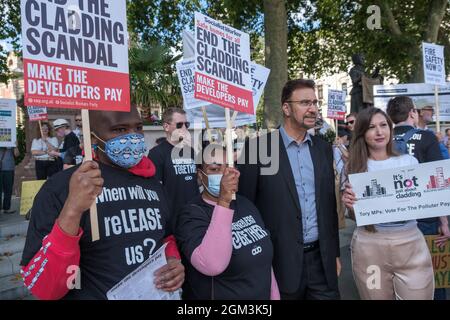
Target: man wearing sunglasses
[78,126]
[175,168]
[350,121]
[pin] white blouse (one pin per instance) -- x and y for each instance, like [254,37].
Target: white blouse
[40,145]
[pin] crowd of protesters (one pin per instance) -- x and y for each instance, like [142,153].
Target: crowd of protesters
[231,232]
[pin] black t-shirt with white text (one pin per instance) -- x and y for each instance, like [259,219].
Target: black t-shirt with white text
[133,220]
[178,175]
[248,274]
[424,146]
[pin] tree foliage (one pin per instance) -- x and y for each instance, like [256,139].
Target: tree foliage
[323,34]
[152,76]
[9,33]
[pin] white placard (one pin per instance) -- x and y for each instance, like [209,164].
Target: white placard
[75,54]
[401,194]
[215,113]
[8,130]
[421,93]
[138,285]
[186,72]
[433,63]
[222,65]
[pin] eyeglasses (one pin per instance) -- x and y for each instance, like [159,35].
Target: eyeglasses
[180,124]
[305,103]
[350,122]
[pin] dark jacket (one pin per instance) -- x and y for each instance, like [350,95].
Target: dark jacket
[276,198]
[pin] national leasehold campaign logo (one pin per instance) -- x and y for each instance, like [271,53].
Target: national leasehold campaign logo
[438,181]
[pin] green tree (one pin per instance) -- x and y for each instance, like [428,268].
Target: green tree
[325,33]
[161,21]
[9,33]
[152,76]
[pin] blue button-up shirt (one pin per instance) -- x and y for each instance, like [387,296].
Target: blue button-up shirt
[303,172]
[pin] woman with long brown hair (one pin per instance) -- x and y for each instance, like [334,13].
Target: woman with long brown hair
[389,260]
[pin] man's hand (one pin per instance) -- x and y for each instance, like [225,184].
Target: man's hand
[171,276]
[228,186]
[85,185]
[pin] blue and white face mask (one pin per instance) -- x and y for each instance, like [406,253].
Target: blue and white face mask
[125,151]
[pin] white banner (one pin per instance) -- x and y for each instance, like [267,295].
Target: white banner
[421,93]
[8,129]
[433,63]
[401,194]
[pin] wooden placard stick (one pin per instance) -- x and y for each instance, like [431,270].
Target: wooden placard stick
[436,100]
[88,157]
[208,129]
[229,142]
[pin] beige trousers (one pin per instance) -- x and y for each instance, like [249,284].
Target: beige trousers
[390,265]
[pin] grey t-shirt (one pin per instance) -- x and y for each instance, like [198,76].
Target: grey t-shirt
[7,157]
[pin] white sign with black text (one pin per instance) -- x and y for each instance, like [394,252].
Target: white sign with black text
[401,194]
[433,63]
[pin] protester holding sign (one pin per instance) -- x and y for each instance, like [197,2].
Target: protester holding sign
[133,211]
[46,165]
[398,249]
[294,191]
[174,160]
[423,145]
[225,244]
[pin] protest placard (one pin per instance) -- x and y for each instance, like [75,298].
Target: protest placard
[441,262]
[336,105]
[434,72]
[75,54]
[222,65]
[186,75]
[8,130]
[420,92]
[29,191]
[433,63]
[37,113]
[402,194]
[215,115]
